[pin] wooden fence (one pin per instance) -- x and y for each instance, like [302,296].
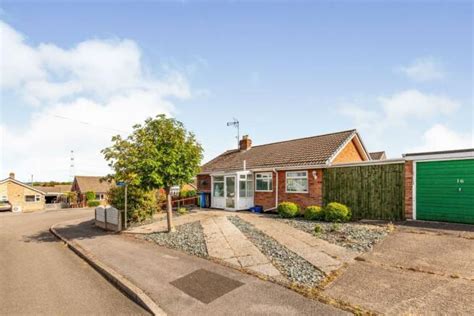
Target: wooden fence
[371,191]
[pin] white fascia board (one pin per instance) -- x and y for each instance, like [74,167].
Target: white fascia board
[441,156]
[368,163]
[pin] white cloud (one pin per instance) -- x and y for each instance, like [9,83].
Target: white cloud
[396,122]
[423,69]
[19,62]
[410,104]
[440,137]
[101,85]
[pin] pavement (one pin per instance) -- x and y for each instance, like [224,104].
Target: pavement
[39,275]
[418,269]
[186,285]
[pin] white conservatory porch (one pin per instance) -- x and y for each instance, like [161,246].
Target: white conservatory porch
[232,191]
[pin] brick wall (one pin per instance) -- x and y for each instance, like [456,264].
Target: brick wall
[16,196]
[204,183]
[313,197]
[409,189]
[348,154]
[266,199]
[315,190]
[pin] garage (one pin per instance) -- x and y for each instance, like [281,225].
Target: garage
[443,186]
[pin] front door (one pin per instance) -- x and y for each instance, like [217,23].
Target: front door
[230,192]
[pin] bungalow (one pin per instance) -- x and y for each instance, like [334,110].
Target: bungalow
[55,196]
[83,184]
[21,196]
[268,174]
[378,155]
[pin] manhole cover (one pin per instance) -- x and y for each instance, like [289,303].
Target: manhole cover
[205,286]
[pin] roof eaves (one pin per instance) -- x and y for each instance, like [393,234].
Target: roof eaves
[22,184]
[341,147]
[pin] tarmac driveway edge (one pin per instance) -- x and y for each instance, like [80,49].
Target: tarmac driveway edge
[116,279]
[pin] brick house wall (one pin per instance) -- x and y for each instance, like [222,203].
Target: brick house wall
[16,193]
[266,199]
[315,190]
[313,197]
[350,153]
[204,183]
[408,189]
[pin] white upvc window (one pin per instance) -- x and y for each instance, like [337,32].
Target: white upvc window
[218,186]
[297,181]
[99,196]
[264,182]
[32,198]
[245,185]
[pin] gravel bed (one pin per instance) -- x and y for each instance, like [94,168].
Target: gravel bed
[357,237]
[295,268]
[187,237]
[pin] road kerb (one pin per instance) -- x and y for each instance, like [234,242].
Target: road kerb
[116,279]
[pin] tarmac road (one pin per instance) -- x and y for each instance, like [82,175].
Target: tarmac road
[39,275]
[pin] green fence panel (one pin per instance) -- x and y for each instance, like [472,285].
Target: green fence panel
[371,191]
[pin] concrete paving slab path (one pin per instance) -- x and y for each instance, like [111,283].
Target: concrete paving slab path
[320,253]
[226,242]
[152,268]
[409,274]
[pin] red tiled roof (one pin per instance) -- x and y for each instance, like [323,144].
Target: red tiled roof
[309,151]
[94,184]
[377,155]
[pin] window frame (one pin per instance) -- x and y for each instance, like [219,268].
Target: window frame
[218,181]
[299,177]
[36,198]
[269,180]
[247,179]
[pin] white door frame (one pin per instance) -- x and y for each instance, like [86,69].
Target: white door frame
[225,192]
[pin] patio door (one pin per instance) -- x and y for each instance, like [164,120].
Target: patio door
[230,192]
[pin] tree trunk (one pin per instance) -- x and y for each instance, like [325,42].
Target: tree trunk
[169,213]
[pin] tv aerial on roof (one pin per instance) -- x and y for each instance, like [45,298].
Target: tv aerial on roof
[235,123]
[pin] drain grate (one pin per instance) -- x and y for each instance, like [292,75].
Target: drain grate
[205,286]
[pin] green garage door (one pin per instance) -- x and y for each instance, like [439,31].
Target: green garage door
[445,191]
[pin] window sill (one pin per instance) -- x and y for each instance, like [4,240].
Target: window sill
[299,192]
[264,191]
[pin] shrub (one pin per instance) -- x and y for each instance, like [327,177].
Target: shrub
[182,211]
[141,204]
[93,203]
[187,194]
[314,213]
[335,227]
[337,212]
[287,209]
[90,196]
[318,229]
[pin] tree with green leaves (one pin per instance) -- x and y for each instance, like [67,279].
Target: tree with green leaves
[90,195]
[159,154]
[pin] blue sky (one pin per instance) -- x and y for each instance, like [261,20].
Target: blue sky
[400,72]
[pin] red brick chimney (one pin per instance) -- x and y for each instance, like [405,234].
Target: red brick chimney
[12,175]
[245,143]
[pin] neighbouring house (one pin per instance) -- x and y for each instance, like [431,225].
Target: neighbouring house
[83,184]
[268,174]
[55,196]
[378,155]
[22,197]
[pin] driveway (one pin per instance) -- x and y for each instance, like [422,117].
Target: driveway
[39,275]
[413,271]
